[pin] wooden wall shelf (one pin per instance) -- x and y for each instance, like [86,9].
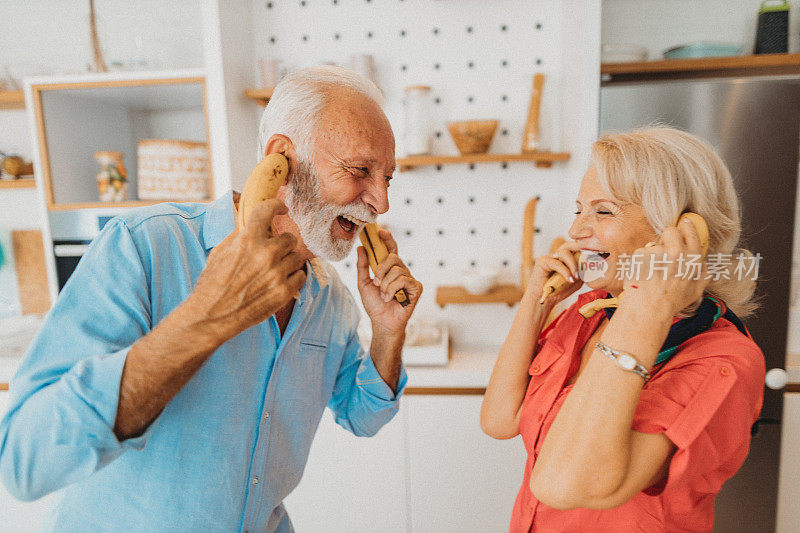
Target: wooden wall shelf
[502,294]
[261,96]
[542,159]
[750,65]
[12,100]
[22,183]
[112,205]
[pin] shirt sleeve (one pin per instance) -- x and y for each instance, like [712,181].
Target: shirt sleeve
[706,408]
[362,402]
[64,397]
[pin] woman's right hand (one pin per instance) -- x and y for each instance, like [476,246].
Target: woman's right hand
[561,262]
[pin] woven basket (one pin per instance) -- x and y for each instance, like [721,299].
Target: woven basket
[172,170]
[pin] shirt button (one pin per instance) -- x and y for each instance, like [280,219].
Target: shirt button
[255,480]
[266,415]
[541,417]
[724,371]
[536,369]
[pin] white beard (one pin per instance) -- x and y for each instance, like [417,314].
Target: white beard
[315,217]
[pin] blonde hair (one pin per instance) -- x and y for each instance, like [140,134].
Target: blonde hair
[668,171]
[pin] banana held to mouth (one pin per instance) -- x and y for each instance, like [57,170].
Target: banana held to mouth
[377,252]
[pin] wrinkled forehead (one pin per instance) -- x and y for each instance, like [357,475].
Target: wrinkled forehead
[592,188]
[350,118]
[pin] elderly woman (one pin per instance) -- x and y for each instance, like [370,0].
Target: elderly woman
[612,446]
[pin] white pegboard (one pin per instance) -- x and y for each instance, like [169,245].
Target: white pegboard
[479,58]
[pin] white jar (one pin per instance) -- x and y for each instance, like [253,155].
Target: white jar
[417,132]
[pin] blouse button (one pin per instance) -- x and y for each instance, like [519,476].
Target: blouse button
[541,417]
[724,371]
[536,369]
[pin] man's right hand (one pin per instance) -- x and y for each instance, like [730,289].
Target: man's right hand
[248,276]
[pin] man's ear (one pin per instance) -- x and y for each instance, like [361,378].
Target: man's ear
[281,144]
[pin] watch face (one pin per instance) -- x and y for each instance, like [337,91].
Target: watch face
[626,361]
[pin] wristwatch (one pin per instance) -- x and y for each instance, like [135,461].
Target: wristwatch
[625,360]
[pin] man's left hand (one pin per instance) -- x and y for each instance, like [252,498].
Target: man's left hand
[377,294]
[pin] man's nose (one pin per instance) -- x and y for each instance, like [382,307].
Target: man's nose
[376,196]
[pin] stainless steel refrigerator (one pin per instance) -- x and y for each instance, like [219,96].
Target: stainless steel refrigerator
[754,123]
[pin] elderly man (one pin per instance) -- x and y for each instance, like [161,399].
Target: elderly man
[178,381]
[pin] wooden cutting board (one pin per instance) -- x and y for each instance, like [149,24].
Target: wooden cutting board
[29,262]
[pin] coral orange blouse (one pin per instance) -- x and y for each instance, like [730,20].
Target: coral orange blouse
[704,399]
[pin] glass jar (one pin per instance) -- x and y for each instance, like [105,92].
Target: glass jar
[417,132]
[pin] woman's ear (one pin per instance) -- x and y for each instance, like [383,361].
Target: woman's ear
[281,144]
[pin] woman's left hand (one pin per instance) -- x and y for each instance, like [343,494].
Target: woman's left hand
[676,269]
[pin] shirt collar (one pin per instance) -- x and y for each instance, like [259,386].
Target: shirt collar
[219,223]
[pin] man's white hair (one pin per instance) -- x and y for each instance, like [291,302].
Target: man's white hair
[296,104]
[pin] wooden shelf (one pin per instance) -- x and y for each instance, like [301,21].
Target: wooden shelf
[22,183]
[542,159]
[502,294]
[12,100]
[261,96]
[112,205]
[750,65]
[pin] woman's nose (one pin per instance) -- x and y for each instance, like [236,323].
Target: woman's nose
[579,229]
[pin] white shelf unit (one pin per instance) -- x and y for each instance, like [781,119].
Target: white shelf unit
[80,115]
[74,116]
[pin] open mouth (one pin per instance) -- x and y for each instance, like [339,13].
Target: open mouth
[604,255]
[349,224]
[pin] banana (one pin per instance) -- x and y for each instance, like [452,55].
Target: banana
[262,184]
[528,231]
[700,226]
[377,252]
[589,309]
[557,282]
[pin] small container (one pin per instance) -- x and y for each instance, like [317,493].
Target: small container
[772,34]
[479,280]
[417,133]
[364,64]
[270,72]
[112,180]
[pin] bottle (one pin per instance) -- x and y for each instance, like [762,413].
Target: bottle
[417,133]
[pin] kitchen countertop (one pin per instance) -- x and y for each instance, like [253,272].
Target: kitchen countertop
[469,370]
[469,367]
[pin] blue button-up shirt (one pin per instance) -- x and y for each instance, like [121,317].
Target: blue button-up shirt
[233,442]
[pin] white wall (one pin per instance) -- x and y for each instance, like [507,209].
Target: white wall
[52,37]
[408,39]
[659,25]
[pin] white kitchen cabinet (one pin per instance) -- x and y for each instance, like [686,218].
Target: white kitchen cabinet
[353,483]
[788,520]
[429,470]
[461,480]
[23,517]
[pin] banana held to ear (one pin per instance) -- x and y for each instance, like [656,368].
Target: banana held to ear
[588,310]
[556,282]
[700,226]
[262,184]
[377,252]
